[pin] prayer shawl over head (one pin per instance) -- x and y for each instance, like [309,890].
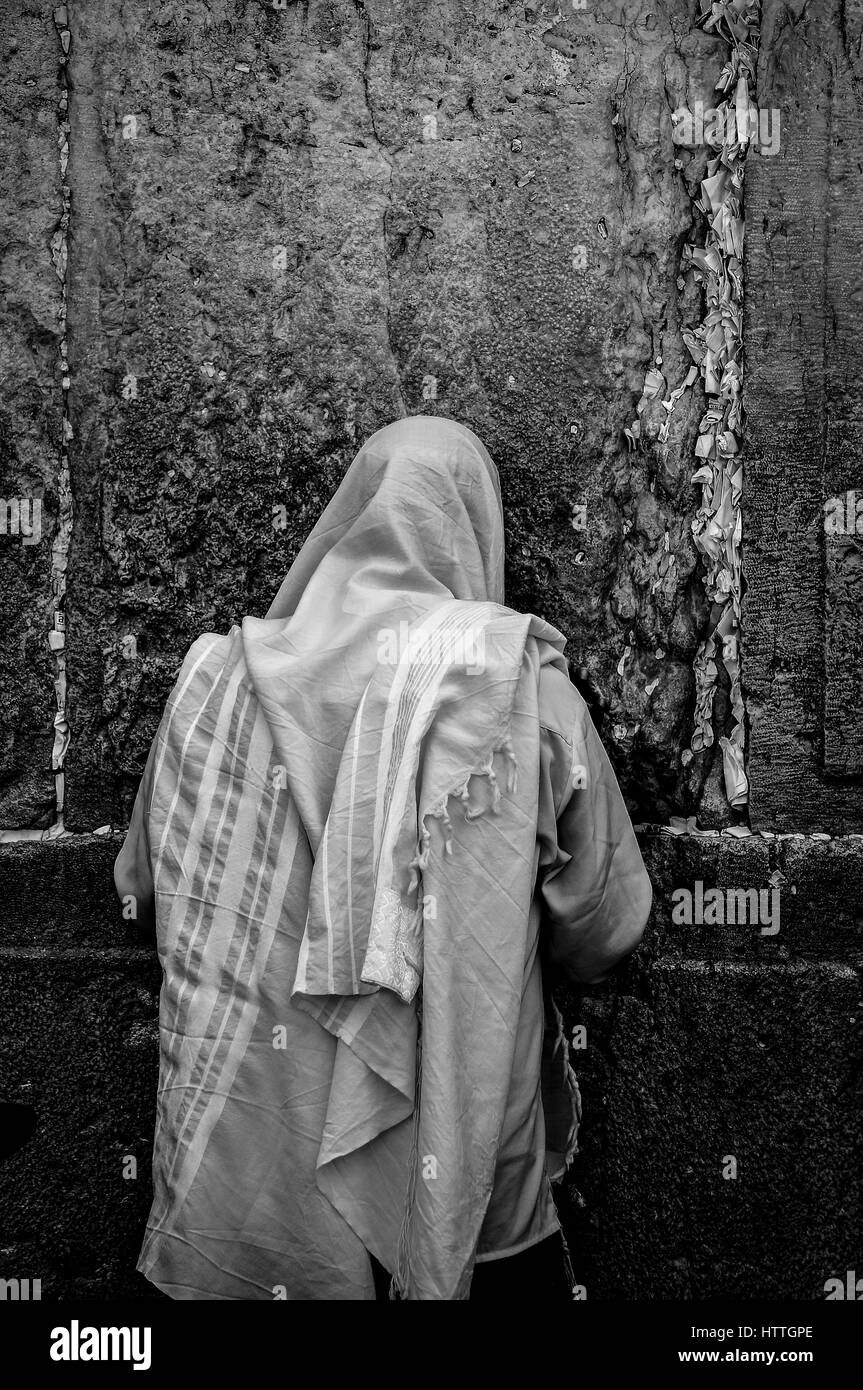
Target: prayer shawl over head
[339,816]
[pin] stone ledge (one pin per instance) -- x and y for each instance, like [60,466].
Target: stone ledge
[60,891]
[711,1042]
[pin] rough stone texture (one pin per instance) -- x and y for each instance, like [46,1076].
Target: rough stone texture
[693,1063]
[711,1042]
[802,644]
[79,1044]
[284,260]
[30,408]
[716,1042]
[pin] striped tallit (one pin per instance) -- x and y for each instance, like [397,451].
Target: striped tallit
[338,821]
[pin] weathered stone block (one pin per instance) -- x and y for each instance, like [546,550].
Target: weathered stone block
[804,318]
[713,1042]
[79,1045]
[30,411]
[294,225]
[694,1063]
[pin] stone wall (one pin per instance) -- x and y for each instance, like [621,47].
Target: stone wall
[804,639]
[715,1042]
[31,409]
[291,224]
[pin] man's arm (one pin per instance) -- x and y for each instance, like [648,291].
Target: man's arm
[597,895]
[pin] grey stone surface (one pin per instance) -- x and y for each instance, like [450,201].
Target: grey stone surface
[710,1043]
[79,1046]
[802,646]
[30,408]
[284,260]
[695,1062]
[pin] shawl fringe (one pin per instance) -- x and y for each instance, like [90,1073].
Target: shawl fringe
[570,1080]
[461,792]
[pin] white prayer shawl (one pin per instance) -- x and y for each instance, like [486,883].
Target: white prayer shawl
[339,816]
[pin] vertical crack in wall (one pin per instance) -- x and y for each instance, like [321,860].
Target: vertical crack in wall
[62,537]
[716,349]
